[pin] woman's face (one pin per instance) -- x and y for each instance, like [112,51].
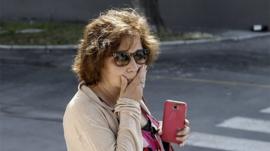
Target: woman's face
[111,73]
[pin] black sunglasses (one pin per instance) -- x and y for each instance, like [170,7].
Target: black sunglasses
[122,58]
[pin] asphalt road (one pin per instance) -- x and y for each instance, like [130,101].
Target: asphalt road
[225,84]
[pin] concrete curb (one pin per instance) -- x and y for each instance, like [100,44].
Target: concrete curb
[164,44]
[169,44]
[39,47]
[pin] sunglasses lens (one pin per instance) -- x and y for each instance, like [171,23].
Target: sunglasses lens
[121,58]
[141,56]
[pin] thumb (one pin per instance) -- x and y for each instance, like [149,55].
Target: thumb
[123,85]
[159,131]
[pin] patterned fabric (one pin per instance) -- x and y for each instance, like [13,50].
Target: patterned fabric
[151,139]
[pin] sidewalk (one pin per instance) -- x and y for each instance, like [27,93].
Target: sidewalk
[219,36]
[62,55]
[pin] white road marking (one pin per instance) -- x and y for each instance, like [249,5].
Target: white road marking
[249,124]
[266,110]
[226,143]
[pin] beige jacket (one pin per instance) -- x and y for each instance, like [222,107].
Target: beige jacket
[91,125]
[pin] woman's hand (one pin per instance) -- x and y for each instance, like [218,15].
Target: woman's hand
[133,90]
[181,134]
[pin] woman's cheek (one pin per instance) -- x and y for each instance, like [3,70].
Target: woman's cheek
[119,82]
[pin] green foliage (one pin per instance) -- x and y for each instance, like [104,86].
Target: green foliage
[57,33]
[51,33]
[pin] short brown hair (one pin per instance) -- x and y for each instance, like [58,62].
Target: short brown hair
[103,35]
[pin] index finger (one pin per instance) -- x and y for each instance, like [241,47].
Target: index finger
[139,75]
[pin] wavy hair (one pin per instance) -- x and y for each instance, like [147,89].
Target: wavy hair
[103,35]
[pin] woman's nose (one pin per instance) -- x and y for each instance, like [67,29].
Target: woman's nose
[133,66]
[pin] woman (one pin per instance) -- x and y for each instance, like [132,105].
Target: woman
[108,112]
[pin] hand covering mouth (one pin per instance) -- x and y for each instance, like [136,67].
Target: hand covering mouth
[129,80]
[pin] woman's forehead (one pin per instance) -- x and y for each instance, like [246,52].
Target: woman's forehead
[130,44]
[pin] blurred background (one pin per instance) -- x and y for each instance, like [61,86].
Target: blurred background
[215,55]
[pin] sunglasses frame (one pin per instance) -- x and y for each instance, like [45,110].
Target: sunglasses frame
[146,51]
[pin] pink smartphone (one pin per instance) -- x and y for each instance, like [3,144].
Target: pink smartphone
[174,115]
